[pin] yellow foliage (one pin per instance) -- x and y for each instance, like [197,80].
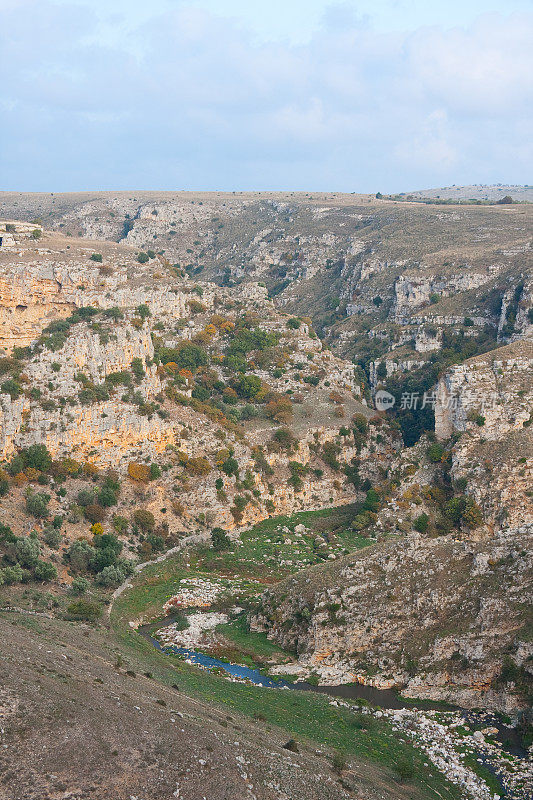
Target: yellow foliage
[97,529]
[138,472]
[90,469]
[199,465]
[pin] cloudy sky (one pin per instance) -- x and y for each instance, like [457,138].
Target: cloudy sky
[360,95]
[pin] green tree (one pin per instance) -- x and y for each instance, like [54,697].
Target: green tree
[421,523]
[38,457]
[220,539]
[37,504]
[44,571]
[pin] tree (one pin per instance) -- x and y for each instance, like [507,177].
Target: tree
[283,439]
[220,539]
[381,371]
[44,571]
[37,504]
[12,388]
[421,523]
[230,467]
[27,551]
[138,369]
[79,555]
[79,586]
[36,233]
[143,311]
[38,457]
[110,576]
[248,385]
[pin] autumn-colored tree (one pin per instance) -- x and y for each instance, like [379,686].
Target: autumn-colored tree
[279,408]
[94,513]
[138,472]
[199,465]
[178,508]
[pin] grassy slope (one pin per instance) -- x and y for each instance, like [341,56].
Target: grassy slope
[302,715]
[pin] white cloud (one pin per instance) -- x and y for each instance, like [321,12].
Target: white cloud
[190,98]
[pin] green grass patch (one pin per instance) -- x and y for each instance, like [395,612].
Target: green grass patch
[249,644]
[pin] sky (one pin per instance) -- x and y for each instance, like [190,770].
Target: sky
[354,96]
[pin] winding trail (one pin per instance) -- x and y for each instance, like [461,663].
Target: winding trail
[195,538]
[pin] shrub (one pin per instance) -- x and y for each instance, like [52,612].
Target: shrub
[405,769]
[84,610]
[52,537]
[220,539]
[421,523]
[138,472]
[107,497]
[338,762]
[110,576]
[144,519]
[293,323]
[36,233]
[44,571]
[12,388]
[120,524]
[94,513]
[97,257]
[198,465]
[79,586]
[143,258]
[143,311]
[37,504]
[155,472]
[330,451]
[279,408]
[196,307]
[14,574]
[435,452]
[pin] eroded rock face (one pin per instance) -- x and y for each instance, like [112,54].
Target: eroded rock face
[78,395]
[489,402]
[433,616]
